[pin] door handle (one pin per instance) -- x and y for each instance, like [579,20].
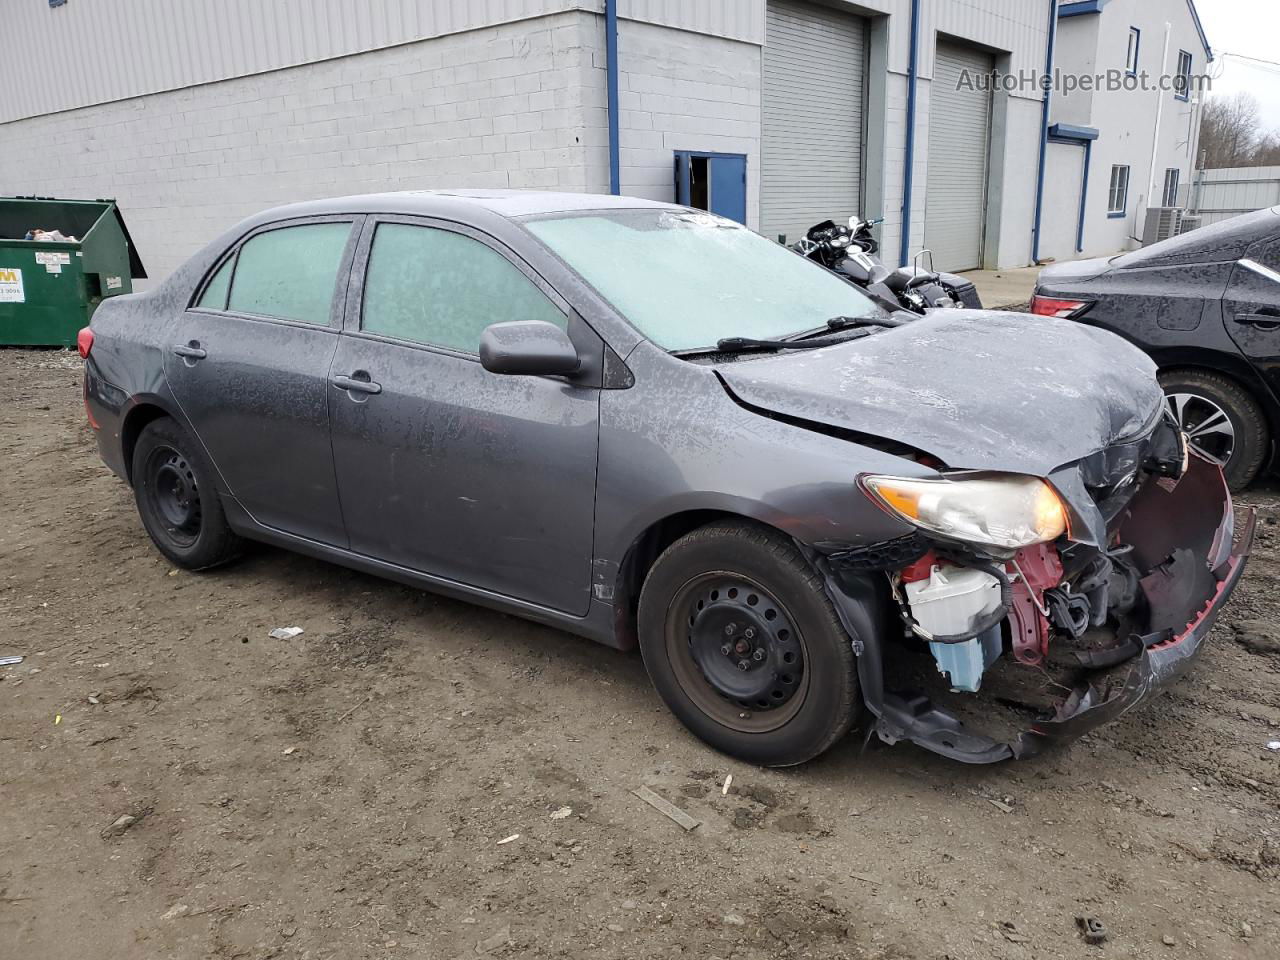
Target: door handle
[357,384]
[191,351]
[1264,321]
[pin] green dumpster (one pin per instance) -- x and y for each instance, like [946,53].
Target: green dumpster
[49,287]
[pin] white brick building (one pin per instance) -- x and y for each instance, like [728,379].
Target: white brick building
[194,113]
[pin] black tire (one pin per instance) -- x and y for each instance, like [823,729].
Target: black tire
[174,488]
[787,706]
[1252,438]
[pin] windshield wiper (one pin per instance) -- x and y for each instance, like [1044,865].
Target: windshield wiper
[846,323]
[866,324]
[743,344]
[807,340]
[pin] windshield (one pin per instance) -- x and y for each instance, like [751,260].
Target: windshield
[687,280]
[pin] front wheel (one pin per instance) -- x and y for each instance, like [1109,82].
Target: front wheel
[1221,420]
[743,644]
[173,485]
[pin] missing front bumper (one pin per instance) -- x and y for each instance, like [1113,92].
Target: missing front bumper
[1183,534]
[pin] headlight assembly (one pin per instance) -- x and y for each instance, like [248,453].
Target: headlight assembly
[1009,511]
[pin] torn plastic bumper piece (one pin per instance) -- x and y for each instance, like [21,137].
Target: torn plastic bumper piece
[1189,555]
[1155,668]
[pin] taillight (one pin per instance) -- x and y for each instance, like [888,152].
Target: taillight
[84,342]
[1052,307]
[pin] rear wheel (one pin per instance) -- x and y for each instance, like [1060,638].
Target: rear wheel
[1222,421]
[173,485]
[744,646]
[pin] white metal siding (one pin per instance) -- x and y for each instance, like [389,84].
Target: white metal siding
[812,118]
[959,142]
[84,53]
[1228,192]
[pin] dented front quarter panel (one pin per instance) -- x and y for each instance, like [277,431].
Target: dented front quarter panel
[698,450]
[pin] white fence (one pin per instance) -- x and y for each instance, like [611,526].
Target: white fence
[1225,193]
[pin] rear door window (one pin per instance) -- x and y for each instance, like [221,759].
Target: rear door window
[289,273]
[442,288]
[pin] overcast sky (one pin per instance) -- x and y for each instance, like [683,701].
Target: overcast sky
[1250,28]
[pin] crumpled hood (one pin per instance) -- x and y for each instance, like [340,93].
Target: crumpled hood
[981,390]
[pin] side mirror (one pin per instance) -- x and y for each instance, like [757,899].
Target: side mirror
[529,348]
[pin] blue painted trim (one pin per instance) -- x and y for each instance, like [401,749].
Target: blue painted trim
[1204,39]
[1044,131]
[904,253]
[1137,53]
[1084,194]
[709,153]
[1079,8]
[611,87]
[1118,215]
[1069,132]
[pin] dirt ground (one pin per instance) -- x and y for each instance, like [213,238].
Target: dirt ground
[353,792]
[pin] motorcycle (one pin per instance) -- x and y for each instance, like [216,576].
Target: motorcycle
[851,251]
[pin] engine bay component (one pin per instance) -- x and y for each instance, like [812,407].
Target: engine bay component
[1039,568]
[886,555]
[954,601]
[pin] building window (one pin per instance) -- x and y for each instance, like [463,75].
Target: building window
[1182,80]
[1131,57]
[1118,197]
[1171,187]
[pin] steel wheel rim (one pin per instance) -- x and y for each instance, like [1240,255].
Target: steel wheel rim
[772,689]
[173,495]
[1208,427]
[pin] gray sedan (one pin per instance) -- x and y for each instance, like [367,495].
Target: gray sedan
[650,426]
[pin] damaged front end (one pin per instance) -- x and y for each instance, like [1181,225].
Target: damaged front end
[983,653]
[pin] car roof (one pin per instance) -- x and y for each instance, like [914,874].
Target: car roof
[509,204]
[1212,243]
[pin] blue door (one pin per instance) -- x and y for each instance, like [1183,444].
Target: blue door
[713,181]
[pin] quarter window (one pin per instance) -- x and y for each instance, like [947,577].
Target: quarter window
[442,288]
[289,273]
[1170,198]
[1267,254]
[1131,56]
[1118,196]
[215,294]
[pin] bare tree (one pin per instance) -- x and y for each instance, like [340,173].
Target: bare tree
[1230,131]
[1267,152]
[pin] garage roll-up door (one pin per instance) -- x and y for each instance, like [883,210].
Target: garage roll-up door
[812,117]
[959,140]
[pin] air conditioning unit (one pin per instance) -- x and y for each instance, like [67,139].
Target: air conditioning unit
[1190,222]
[1162,223]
